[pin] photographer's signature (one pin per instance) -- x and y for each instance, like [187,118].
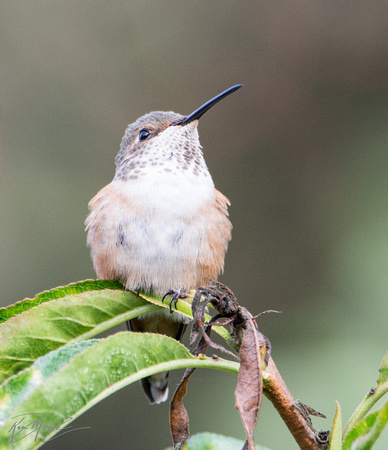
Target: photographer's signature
[35,424]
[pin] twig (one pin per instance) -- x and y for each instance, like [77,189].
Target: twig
[276,391]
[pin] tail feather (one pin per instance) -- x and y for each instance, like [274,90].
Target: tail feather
[155,387]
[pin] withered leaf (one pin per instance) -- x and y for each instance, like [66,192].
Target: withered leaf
[249,385]
[179,418]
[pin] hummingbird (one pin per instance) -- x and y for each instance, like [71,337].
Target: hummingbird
[161,226]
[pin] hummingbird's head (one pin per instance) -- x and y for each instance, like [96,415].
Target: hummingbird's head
[164,142]
[155,143]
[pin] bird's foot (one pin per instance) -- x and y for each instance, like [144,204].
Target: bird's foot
[175,296]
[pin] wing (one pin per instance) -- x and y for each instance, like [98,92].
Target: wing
[211,254]
[105,236]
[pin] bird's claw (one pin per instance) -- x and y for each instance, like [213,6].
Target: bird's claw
[175,296]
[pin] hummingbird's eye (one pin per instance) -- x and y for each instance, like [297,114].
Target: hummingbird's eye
[143,135]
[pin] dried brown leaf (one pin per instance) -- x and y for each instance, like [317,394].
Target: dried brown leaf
[307,410]
[179,418]
[198,308]
[249,385]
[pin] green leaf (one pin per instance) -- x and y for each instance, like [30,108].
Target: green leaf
[59,292]
[371,397]
[69,319]
[18,388]
[336,431]
[211,441]
[364,435]
[70,314]
[69,381]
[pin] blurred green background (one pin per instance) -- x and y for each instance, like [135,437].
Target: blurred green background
[301,151]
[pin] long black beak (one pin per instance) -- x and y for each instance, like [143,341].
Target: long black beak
[204,108]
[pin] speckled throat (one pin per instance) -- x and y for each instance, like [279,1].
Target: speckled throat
[167,149]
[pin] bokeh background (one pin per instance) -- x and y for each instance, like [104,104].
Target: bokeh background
[301,151]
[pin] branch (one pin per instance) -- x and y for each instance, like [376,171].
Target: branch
[276,391]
